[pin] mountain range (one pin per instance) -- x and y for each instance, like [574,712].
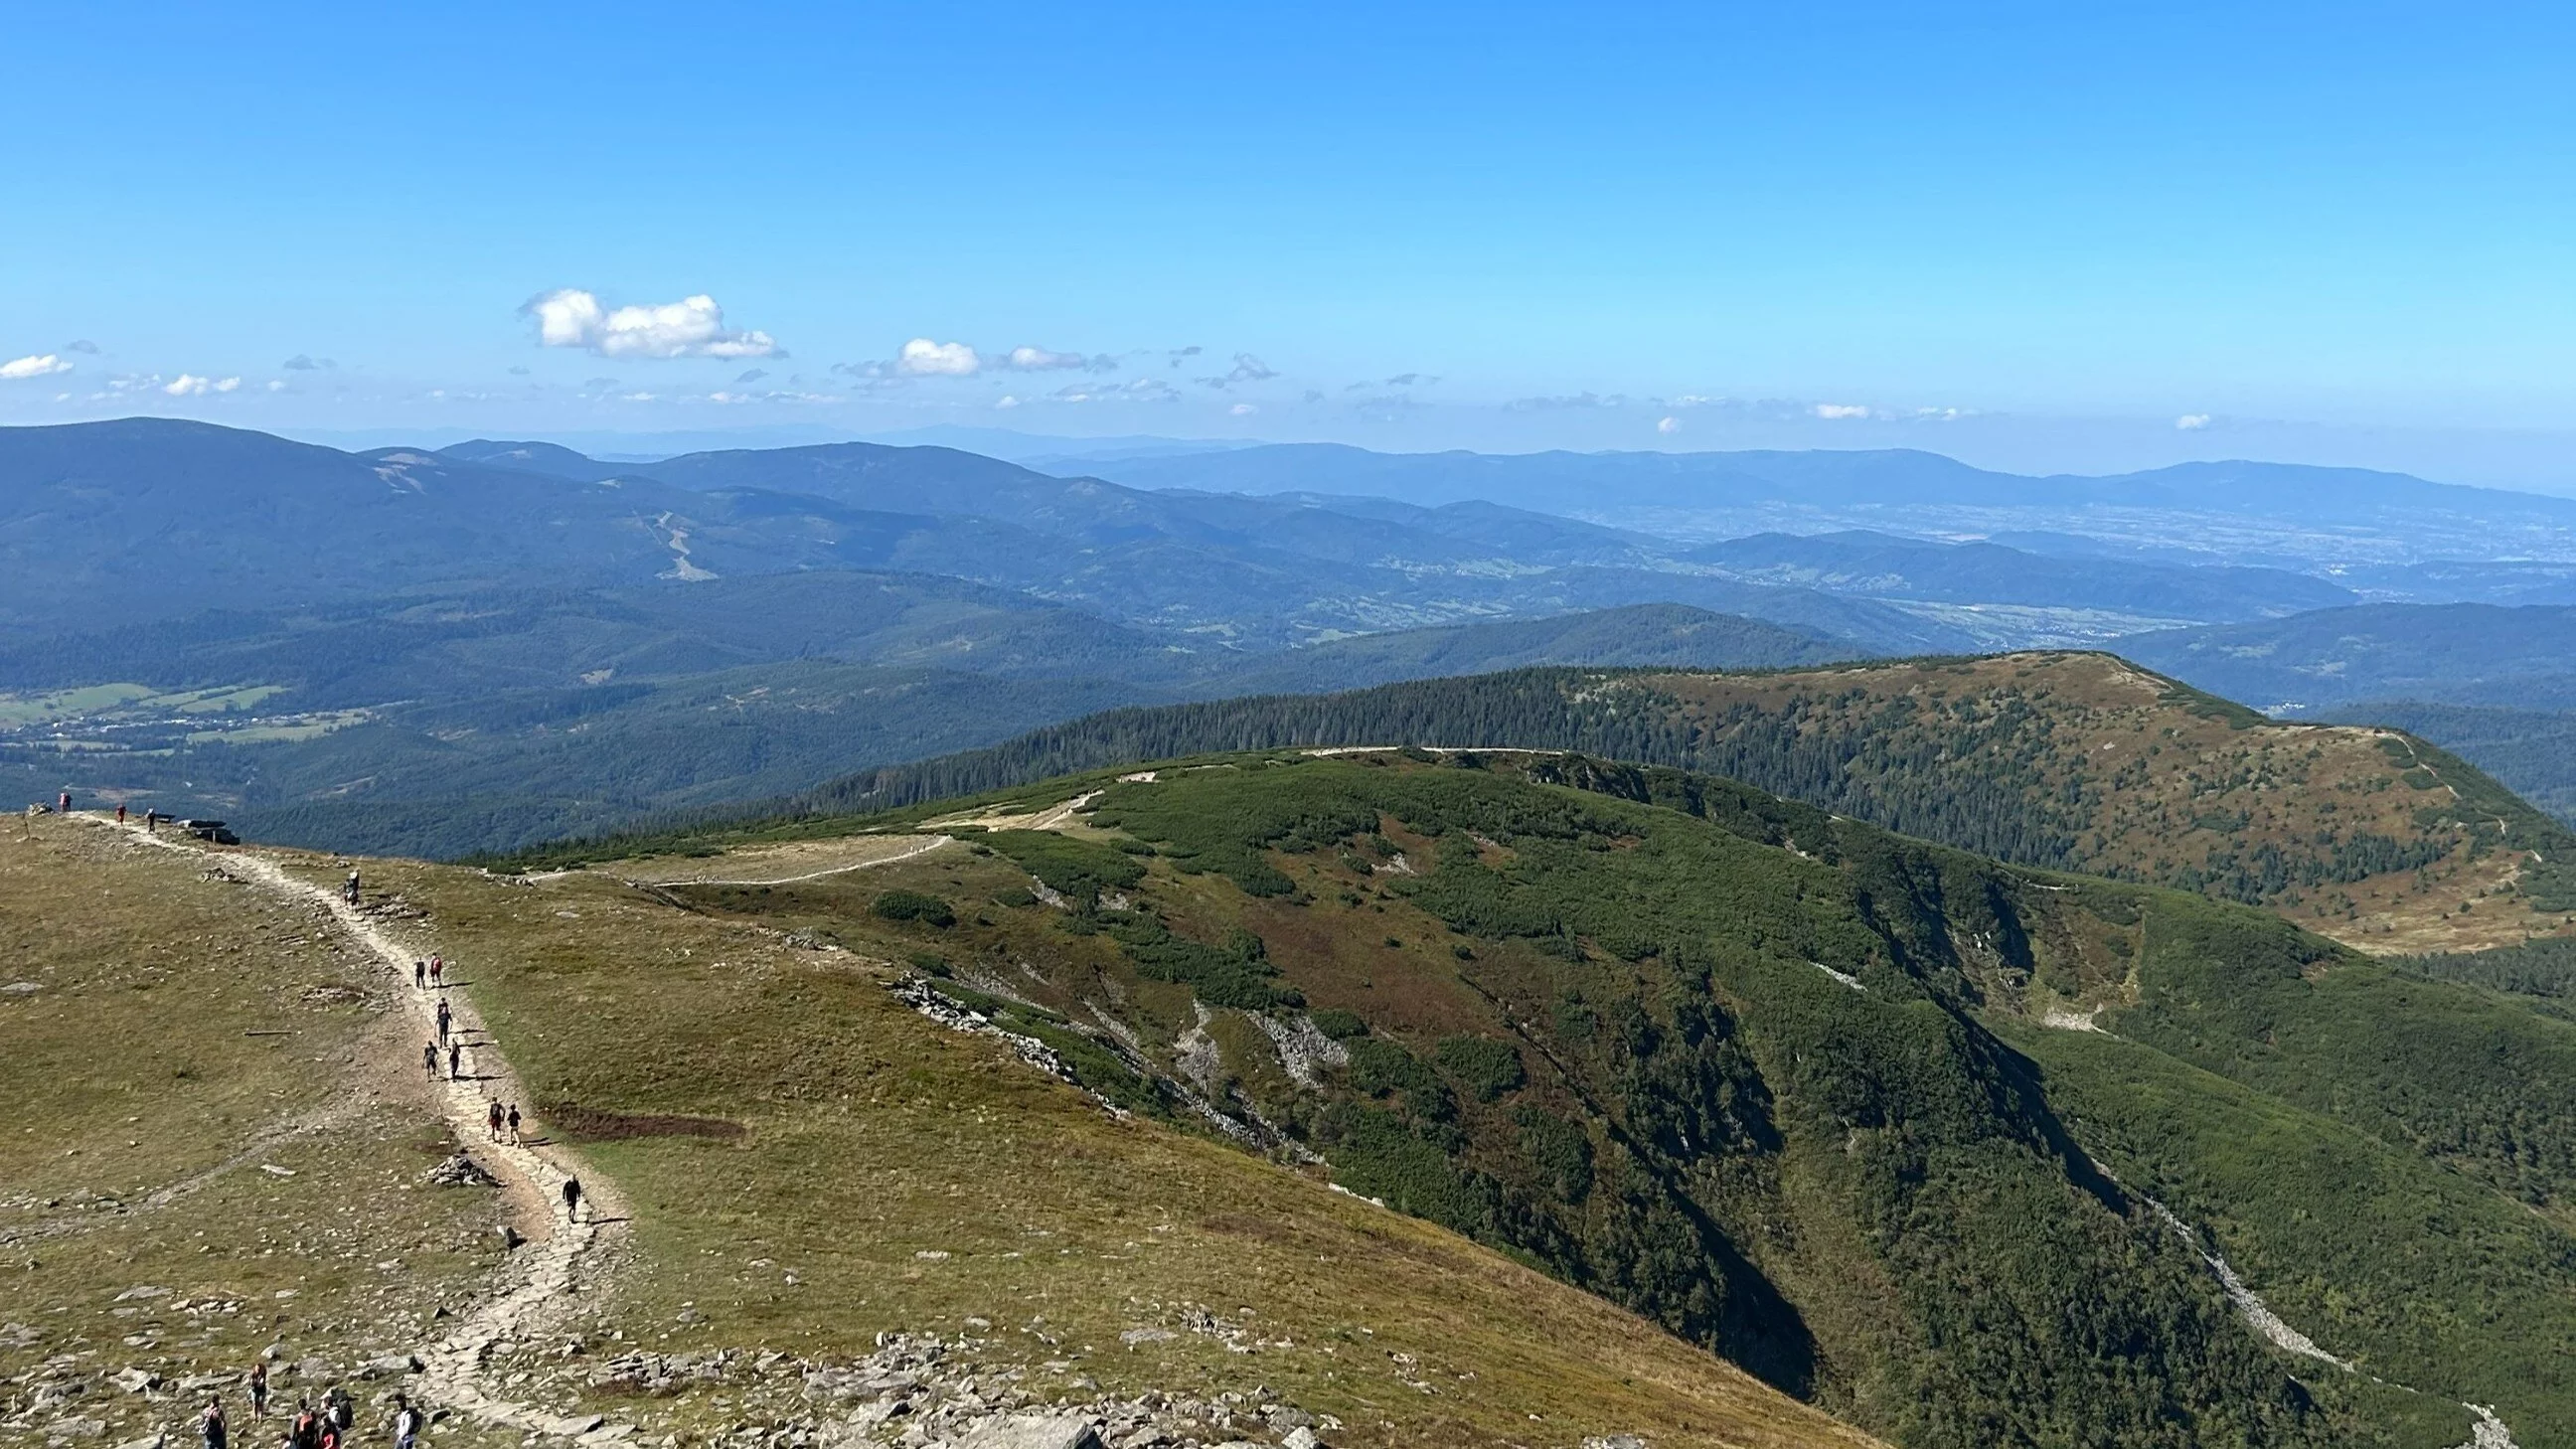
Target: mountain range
[348,646]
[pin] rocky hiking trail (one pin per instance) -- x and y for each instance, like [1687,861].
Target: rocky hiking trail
[452,1375]
[922,1390]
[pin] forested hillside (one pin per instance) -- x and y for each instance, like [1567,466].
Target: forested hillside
[495,722]
[1858,1113]
[2070,761]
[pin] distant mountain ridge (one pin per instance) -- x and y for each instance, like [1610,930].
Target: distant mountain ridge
[1862,476]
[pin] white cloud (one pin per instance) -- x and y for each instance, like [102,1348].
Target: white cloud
[1668,426]
[1243,410]
[1247,368]
[1140,389]
[1840,410]
[43,364]
[188,384]
[276,386]
[1006,401]
[2191,422]
[924,358]
[690,327]
[1038,359]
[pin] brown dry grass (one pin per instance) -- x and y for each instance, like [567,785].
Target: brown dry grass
[268,1183]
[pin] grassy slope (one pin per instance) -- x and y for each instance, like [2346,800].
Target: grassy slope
[874,1136]
[1849,1106]
[128,1071]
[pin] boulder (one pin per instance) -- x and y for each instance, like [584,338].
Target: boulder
[1034,1431]
[392,1365]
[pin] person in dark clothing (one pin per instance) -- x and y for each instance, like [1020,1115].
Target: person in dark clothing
[455,1060]
[514,1124]
[212,1431]
[120,814]
[350,891]
[338,1412]
[492,1120]
[572,1198]
[420,975]
[258,1390]
[429,1060]
[444,1017]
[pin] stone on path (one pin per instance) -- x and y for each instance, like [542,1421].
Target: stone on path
[1034,1431]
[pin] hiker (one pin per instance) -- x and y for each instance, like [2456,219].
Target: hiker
[259,1389]
[492,1118]
[338,1412]
[305,1430]
[514,1124]
[406,1424]
[120,813]
[444,1017]
[65,807]
[438,972]
[419,975]
[429,1060]
[212,1431]
[352,889]
[455,1061]
[572,1199]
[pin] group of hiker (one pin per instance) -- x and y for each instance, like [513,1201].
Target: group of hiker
[331,1421]
[327,1423]
[152,818]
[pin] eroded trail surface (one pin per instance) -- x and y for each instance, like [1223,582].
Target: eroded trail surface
[560,1258]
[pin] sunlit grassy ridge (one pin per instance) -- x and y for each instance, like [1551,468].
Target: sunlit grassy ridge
[2070,761]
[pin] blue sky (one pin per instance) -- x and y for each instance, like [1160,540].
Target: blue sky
[2046,230]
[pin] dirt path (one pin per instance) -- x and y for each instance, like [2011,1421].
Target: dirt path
[262,1144]
[453,1378]
[922,848]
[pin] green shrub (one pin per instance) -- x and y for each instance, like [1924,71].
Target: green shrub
[1485,1067]
[1338,1024]
[913,906]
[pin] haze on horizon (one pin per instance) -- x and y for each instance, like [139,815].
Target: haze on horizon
[2030,239]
